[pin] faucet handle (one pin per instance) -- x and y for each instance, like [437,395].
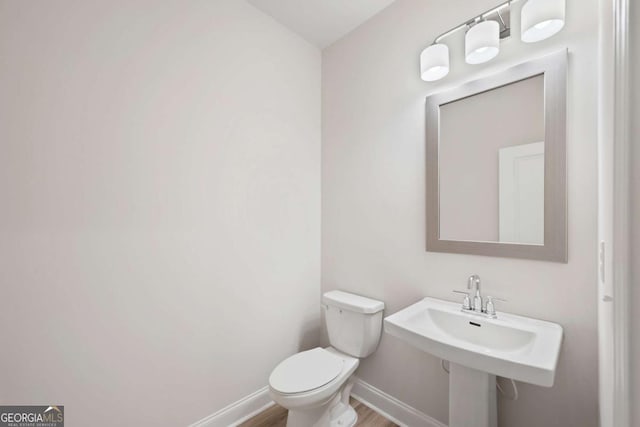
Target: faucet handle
[466,303]
[491,308]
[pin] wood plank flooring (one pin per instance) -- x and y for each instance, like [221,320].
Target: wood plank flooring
[276,416]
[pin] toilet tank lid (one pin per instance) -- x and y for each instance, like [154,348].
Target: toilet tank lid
[352,302]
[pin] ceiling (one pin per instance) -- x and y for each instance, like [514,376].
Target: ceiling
[321,22]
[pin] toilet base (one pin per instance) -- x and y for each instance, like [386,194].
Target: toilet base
[340,415]
[347,416]
[336,412]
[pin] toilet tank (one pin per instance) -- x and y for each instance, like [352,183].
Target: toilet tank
[354,323]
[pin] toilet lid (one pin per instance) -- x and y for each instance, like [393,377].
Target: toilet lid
[305,371]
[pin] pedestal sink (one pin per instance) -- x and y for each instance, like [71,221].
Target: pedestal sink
[479,348]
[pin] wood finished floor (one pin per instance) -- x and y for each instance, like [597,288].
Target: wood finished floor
[276,416]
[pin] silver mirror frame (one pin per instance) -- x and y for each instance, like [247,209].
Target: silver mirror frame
[554,68]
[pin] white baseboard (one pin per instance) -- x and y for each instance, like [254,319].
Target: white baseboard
[391,408]
[238,412]
[388,406]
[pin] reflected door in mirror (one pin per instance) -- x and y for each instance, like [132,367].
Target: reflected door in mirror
[521,194]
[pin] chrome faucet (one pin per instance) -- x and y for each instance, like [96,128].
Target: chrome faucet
[474,282]
[475,305]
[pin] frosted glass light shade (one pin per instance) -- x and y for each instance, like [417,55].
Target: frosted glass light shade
[482,42]
[540,19]
[434,62]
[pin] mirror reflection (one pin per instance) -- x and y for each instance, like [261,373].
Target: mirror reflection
[491,154]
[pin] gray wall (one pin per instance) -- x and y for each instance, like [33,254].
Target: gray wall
[635,214]
[160,190]
[373,204]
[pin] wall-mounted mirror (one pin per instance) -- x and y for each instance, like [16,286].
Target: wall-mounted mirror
[496,174]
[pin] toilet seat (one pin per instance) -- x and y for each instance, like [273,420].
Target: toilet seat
[306,371]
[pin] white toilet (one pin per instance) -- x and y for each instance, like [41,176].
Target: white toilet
[315,385]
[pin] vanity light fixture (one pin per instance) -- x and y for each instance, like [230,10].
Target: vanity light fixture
[482,42]
[434,62]
[540,19]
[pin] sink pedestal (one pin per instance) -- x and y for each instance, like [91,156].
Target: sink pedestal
[472,398]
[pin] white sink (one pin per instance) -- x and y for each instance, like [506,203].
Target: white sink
[510,346]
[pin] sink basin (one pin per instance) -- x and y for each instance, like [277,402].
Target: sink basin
[510,346]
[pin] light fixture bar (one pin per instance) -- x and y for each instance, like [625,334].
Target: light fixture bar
[501,19]
[449,32]
[477,18]
[497,9]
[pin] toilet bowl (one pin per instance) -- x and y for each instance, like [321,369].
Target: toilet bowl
[315,385]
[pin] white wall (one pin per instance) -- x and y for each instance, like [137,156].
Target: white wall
[635,214]
[373,204]
[160,190]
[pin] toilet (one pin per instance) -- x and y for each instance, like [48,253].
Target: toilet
[315,385]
